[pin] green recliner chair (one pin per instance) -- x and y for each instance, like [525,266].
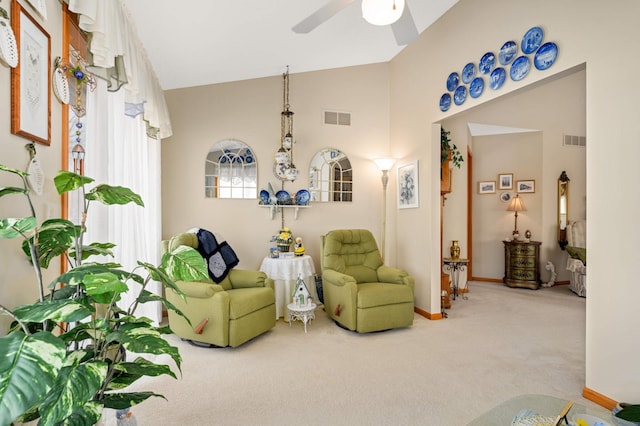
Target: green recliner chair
[238,309]
[360,292]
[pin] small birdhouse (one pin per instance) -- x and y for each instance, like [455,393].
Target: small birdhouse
[300,292]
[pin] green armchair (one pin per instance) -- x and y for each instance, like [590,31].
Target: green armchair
[238,309]
[360,292]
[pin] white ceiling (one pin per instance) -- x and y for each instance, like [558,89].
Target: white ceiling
[198,42]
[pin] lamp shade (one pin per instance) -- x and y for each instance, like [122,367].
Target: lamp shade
[385,163]
[516,205]
[382,12]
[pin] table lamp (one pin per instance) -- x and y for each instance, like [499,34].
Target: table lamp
[516,205]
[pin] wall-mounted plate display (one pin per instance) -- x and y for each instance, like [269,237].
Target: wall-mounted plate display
[545,56]
[520,68]
[264,196]
[487,63]
[497,78]
[445,102]
[531,40]
[508,52]
[283,197]
[452,81]
[476,87]
[460,95]
[8,47]
[468,72]
[302,197]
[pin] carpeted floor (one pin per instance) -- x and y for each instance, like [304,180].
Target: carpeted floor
[499,343]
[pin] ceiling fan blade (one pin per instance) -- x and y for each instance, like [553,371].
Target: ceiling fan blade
[404,29]
[321,15]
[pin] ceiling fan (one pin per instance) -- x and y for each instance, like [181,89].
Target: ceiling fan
[404,28]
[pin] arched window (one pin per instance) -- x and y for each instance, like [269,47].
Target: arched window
[231,171]
[331,176]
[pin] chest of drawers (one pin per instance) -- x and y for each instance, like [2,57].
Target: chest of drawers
[521,264]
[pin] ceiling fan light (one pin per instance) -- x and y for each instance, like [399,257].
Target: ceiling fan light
[382,12]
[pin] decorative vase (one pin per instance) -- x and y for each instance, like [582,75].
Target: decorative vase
[454,250]
[284,247]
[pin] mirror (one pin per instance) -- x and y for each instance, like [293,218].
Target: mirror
[563,208]
[331,176]
[231,171]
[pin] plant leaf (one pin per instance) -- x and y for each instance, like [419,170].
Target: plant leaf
[185,264]
[146,296]
[12,170]
[95,249]
[103,286]
[7,190]
[28,368]
[64,310]
[12,227]
[127,373]
[142,338]
[120,401]
[55,237]
[109,195]
[66,181]
[88,414]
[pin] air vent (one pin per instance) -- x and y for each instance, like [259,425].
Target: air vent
[571,140]
[337,118]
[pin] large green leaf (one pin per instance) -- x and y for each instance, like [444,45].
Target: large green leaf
[66,181]
[120,401]
[76,276]
[74,387]
[127,373]
[55,237]
[103,286]
[146,296]
[142,338]
[185,264]
[8,190]
[95,249]
[12,227]
[12,170]
[28,368]
[109,195]
[57,310]
[88,414]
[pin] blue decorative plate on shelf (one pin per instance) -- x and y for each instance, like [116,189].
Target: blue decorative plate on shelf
[302,197]
[452,81]
[460,95]
[283,196]
[508,52]
[531,40]
[487,63]
[545,56]
[497,78]
[520,68]
[264,196]
[445,102]
[476,87]
[468,72]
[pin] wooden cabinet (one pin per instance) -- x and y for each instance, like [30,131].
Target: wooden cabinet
[522,264]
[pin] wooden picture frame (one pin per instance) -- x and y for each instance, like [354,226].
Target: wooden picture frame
[408,189]
[40,6]
[505,181]
[31,78]
[524,186]
[486,187]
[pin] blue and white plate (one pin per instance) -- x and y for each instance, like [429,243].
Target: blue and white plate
[302,197]
[452,81]
[445,102]
[468,72]
[545,56]
[476,87]
[508,52]
[460,95]
[283,196]
[497,78]
[264,196]
[531,40]
[487,63]
[520,68]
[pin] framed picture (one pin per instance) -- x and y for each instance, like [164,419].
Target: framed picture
[40,7]
[505,196]
[505,181]
[486,187]
[408,186]
[31,79]
[526,186]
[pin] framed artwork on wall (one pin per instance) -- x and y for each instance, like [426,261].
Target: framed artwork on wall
[505,181]
[40,7]
[526,186]
[408,186]
[486,187]
[31,78]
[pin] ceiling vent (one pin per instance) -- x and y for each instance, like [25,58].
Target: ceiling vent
[337,118]
[571,140]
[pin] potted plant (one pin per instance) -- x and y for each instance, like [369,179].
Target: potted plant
[449,151]
[64,357]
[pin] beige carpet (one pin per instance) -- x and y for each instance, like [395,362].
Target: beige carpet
[499,343]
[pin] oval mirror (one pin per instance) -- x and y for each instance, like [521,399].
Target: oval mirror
[331,176]
[231,171]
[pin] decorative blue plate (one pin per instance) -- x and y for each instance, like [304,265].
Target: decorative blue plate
[283,196]
[445,102]
[476,87]
[452,81]
[546,56]
[497,78]
[508,52]
[460,95]
[520,68]
[487,63]
[302,197]
[468,72]
[264,196]
[531,40]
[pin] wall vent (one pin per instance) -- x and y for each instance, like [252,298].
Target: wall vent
[571,140]
[337,118]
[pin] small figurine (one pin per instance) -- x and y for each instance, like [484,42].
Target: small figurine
[298,247]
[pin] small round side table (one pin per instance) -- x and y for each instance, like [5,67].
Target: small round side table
[304,313]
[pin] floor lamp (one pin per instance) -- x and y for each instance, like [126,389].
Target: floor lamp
[384,164]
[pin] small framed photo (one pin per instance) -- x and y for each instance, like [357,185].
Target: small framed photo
[505,196]
[39,6]
[487,187]
[408,186]
[526,186]
[505,181]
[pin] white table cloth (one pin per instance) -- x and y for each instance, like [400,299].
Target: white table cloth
[285,273]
